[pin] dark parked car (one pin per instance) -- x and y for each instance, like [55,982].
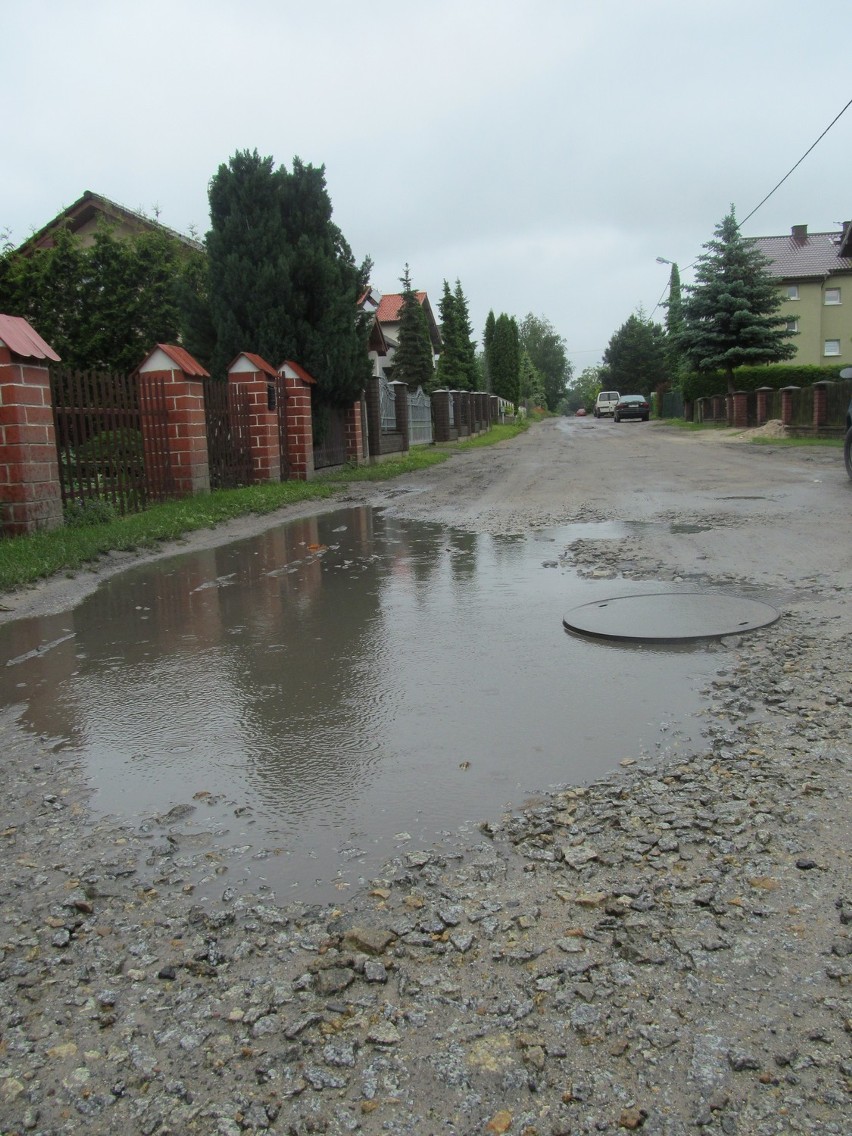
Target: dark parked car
[632,406]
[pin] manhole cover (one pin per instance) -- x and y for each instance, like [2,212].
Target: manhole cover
[663,617]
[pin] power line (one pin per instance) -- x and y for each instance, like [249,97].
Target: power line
[784,178]
[774,188]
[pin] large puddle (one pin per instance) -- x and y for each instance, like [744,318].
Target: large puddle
[343,688]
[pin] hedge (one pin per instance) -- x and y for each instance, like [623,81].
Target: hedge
[775,375]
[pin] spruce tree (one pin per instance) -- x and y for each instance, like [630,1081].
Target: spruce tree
[449,372]
[467,346]
[413,359]
[730,316]
[674,326]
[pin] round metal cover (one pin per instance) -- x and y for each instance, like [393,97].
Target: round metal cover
[669,617]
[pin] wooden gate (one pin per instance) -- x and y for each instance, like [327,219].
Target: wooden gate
[329,425]
[111,438]
[279,388]
[226,413]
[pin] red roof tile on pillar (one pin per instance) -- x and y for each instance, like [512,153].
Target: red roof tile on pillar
[182,359]
[257,361]
[22,339]
[300,371]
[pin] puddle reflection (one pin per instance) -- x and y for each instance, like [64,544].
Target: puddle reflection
[337,681]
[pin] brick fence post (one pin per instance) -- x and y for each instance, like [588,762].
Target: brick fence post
[30,495]
[441,414]
[787,405]
[354,433]
[738,410]
[400,395]
[300,429]
[820,404]
[374,416]
[258,377]
[186,427]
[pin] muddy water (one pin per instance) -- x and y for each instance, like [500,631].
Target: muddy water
[343,688]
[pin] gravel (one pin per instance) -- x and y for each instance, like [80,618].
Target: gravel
[665,950]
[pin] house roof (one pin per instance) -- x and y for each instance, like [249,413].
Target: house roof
[86,209]
[183,360]
[389,311]
[802,255]
[22,339]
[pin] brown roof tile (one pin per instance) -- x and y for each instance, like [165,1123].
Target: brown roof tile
[807,255]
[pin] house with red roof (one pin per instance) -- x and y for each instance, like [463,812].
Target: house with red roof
[384,332]
[814,275]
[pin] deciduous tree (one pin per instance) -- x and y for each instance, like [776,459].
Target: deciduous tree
[635,357]
[546,349]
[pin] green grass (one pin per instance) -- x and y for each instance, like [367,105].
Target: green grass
[836,443]
[26,559]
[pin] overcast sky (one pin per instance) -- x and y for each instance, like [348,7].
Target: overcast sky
[543,152]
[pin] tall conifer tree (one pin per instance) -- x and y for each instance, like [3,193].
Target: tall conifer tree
[731,315]
[413,360]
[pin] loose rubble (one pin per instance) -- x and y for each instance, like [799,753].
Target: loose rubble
[667,949]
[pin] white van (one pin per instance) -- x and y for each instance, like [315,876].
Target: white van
[605,403]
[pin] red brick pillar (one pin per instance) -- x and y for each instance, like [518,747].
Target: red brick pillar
[400,394]
[30,496]
[787,405]
[300,431]
[186,428]
[738,412]
[258,377]
[354,434]
[820,404]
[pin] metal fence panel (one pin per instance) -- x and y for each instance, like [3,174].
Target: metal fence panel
[387,404]
[419,418]
[329,425]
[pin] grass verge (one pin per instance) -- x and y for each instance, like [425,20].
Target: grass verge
[26,559]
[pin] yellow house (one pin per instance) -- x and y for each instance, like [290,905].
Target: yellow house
[814,273]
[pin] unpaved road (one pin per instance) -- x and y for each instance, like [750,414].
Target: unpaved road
[667,949]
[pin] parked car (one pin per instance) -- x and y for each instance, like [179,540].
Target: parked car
[632,406]
[581,413]
[605,403]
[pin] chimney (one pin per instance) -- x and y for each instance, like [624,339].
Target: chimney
[800,233]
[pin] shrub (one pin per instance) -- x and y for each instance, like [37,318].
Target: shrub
[94,511]
[775,375]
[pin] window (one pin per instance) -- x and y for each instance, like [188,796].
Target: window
[831,347]
[832,296]
[792,291]
[793,326]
